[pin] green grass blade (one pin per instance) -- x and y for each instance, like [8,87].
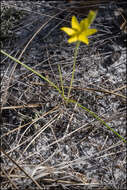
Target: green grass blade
[61,80]
[32,70]
[98,118]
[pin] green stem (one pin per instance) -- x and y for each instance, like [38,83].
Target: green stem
[72,78]
[30,69]
[98,118]
[61,80]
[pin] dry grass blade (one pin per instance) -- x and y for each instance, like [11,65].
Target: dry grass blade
[22,52]
[120,88]
[35,34]
[30,123]
[41,130]
[92,89]
[21,106]
[14,162]
[10,180]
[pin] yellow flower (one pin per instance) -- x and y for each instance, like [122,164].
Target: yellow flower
[80,31]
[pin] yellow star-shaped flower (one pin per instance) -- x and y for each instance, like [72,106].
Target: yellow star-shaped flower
[81,31]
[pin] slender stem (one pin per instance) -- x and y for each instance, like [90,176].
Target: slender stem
[30,69]
[61,80]
[98,118]
[72,78]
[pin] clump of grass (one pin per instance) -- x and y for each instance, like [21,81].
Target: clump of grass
[66,99]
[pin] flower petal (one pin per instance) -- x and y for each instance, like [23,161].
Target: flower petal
[68,30]
[75,23]
[73,39]
[84,24]
[80,31]
[89,32]
[91,17]
[83,38]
